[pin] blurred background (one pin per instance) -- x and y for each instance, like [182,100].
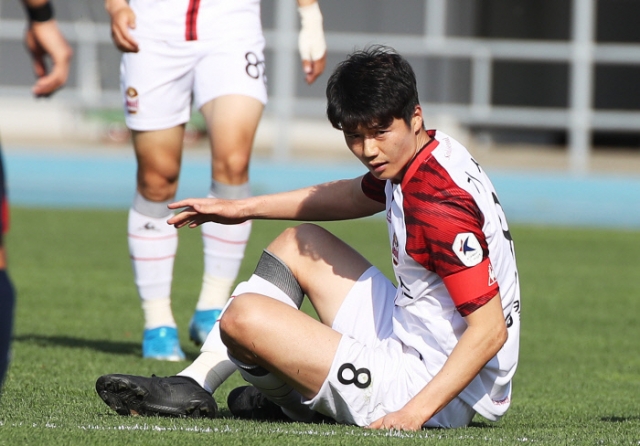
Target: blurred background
[543,84]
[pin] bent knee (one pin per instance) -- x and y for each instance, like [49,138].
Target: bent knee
[240,319]
[292,241]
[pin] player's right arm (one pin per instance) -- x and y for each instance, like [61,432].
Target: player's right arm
[336,200]
[123,19]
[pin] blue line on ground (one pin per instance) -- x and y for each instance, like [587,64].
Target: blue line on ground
[107,180]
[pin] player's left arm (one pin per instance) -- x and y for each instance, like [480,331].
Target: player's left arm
[43,38]
[485,335]
[334,200]
[311,41]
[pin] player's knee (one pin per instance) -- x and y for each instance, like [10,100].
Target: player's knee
[293,242]
[157,187]
[232,169]
[241,318]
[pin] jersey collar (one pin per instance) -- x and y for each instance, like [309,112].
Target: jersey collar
[423,154]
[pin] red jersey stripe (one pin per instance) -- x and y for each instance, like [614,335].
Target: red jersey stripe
[191,31]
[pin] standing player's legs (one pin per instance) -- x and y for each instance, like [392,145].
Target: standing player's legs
[152,242]
[7,296]
[232,121]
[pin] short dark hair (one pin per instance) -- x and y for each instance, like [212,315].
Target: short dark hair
[372,87]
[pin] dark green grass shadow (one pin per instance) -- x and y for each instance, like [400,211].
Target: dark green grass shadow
[129,348]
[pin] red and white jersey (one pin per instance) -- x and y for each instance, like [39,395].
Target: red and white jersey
[195,19]
[451,252]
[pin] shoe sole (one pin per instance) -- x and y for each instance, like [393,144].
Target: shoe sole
[127,398]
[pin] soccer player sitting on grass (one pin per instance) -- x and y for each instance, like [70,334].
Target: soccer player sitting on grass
[431,352]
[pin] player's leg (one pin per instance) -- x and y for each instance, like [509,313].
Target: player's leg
[230,91]
[157,84]
[285,353]
[7,296]
[152,242]
[232,122]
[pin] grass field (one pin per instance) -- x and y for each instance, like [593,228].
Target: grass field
[78,318]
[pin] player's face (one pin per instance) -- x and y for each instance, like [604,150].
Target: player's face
[386,151]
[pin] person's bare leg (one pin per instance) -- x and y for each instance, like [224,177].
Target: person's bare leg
[159,154]
[153,243]
[232,122]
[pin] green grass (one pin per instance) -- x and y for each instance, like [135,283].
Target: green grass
[78,317]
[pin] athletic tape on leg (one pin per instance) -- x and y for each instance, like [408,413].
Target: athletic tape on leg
[274,270]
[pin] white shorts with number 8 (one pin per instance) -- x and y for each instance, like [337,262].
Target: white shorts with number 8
[164,80]
[373,373]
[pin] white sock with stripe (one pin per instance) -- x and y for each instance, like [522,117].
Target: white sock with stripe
[224,247]
[152,248]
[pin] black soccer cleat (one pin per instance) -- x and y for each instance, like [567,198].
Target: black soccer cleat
[174,396]
[249,403]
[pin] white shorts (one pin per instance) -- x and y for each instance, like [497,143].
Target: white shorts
[162,82]
[373,373]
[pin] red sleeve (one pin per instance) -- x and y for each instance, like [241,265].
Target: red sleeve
[444,235]
[374,188]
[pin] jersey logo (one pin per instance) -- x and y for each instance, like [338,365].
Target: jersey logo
[467,248]
[131,98]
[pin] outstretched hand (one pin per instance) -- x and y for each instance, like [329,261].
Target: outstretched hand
[196,211]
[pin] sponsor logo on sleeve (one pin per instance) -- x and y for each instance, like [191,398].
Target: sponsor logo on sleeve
[467,248]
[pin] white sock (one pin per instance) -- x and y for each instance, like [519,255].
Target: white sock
[224,247]
[210,370]
[152,248]
[212,367]
[215,292]
[259,285]
[157,313]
